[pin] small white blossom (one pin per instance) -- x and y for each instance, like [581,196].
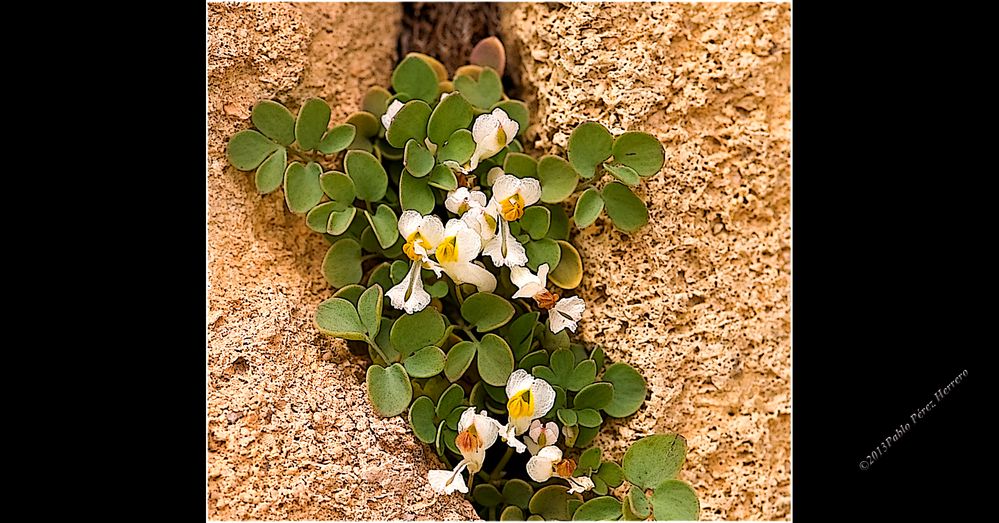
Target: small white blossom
[540,436]
[476,433]
[461,200]
[548,463]
[529,398]
[390,113]
[455,253]
[527,283]
[565,314]
[422,234]
[491,133]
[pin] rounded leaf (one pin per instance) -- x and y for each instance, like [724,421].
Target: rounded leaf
[417,159]
[412,332]
[487,495]
[517,492]
[589,145]
[594,396]
[489,52]
[654,459]
[603,508]
[453,113]
[569,271]
[410,123]
[248,148]
[495,361]
[642,152]
[338,187]
[459,358]
[611,473]
[675,500]
[425,363]
[342,264]
[541,252]
[313,119]
[450,399]
[340,221]
[302,191]
[337,317]
[638,503]
[627,211]
[337,139]
[458,148]
[351,293]
[416,78]
[270,174]
[558,178]
[384,224]
[366,172]
[624,173]
[518,112]
[520,165]
[559,228]
[567,417]
[443,178]
[589,418]
[629,390]
[482,92]
[582,375]
[421,418]
[512,513]
[550,502]
[275,121]
[535,221]
[416,194]
[376,101]
[588,208]
[366,124]
[486,311]
[319,216]
[369,308]
[389,389]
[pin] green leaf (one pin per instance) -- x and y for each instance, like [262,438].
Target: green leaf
[450,399]
[437,289]
[366,172]
[533,359]
[589,146]
[459,358]
[569,272]
[416,78]
[313,119]
[550,502]
[599,487]
[534,517]
[640,151]
[558,178]
[654,459]
[589,418]
[626,210]
[674,500]
[412,332]
[366,124]
[517,111]
[559,228]
[416,194]
[270,174]
[458,148]
[566,416]
[487,495]
[342,264]
[339,187]
[337,317]
[629,390]
[248,148]
[536,221]
[517,492]
[426,362]
[603,508]
[486,311]
[586,435]
[520,165]
[337,139]
[495,361]
[542,251]
[588,208]
[594,396]
[483,92]
[581,376]
[387,152]
[512,513]
[389,389]
[521,333]
[351,293]
[417,159]
[379,275]
[410,123]
[611,473]
[375,101]
[369,308]
[385,225]
[451,114]
[421,418]
[554,341]
[639,502]
[319,216]
[398,271]
[624,173]
[275,121]
[340,221]
[443,178]
[301,186]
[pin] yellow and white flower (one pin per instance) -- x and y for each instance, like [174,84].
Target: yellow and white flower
[455,253]
[510,196]
[461,200]
[528,398]
[390,113]
[528,284]
[540,436]
[476,433]
[482,220]
[565,314]
[491,133]
[548,463]
[422,234]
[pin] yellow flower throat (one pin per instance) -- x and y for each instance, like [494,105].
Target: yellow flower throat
[521,405]
[409,249]
[447,252]
[512,208]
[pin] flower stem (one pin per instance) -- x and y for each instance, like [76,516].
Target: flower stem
[502,463]
[378,349]
[468,330]
[457,293]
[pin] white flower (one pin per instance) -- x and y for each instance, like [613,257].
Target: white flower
[461,200]
[512,194]
[504,249]
[540,436]
[529,398]
[455,253]
[565,314]
[476,433]
[492,132]
[422,234]
[548,463]
[509,436]
[390,113]
[527,283]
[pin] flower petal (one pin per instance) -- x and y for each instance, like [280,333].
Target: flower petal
[485,126]
[487,428]
[432,230]
[535,430]
[467,418]
[530,190]
[418,298]
[469,272]
[544,397]
[572,307]
[468,242]
[409,223]
[551,453]
[505,186]
[455,198]
[539,468]
[519,381]
[580,484]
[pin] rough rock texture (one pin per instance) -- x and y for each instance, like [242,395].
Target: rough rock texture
[290,431]
[699,299]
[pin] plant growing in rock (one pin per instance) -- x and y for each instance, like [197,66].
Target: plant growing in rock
[445,236]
